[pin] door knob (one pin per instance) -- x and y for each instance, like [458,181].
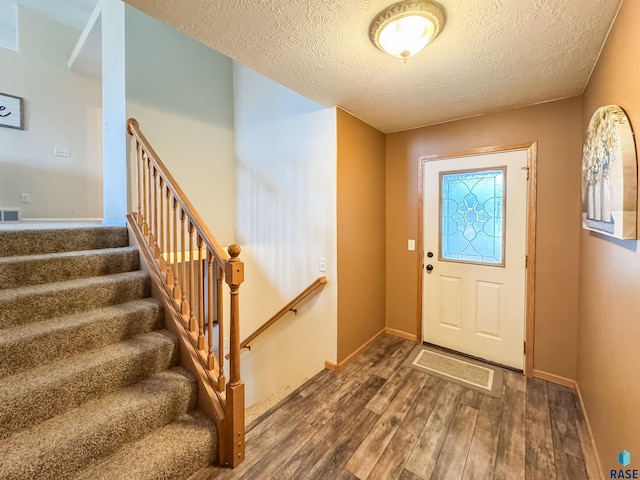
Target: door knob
[429,267]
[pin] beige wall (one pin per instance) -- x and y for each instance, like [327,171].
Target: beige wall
[186,112]
[556,127]
[285,222]
[609,307]
[361,232]
[61,109]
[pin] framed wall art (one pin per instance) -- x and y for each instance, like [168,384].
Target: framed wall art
[610,175]
[11,111]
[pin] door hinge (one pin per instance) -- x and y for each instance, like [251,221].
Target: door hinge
[524,347]
[526,261]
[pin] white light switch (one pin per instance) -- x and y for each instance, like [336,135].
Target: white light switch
[322,265]
[61,152]
[411,245]
[25,198]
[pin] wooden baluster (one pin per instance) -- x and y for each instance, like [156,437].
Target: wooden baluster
[161,228]
[183,273]
[145,183]
[219,305]
[150,219]
[176,287]
[234,276]
[156,249]
[193,326]
[170,254]
[139,169]
[151,207]
[211,356]
[200,296]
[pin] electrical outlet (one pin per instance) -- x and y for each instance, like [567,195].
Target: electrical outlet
[225,344]
[322,265]
[61,152]
[25,198]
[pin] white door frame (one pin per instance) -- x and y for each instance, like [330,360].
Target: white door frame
[532,190]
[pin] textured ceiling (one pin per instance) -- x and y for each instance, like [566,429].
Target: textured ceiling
[491,55]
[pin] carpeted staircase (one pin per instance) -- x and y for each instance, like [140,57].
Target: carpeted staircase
[89,382]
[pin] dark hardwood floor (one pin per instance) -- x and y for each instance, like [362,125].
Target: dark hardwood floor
[381,420]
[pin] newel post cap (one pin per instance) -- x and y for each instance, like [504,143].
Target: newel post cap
[234,252]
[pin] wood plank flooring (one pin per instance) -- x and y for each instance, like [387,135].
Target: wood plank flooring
[379,420]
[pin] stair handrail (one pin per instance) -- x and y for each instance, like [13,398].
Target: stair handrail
[289,307]
[179,195]
[192,308]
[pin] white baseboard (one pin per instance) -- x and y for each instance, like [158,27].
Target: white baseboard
[61,220]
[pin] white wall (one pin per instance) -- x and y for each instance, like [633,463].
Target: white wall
[116,201]
[180,91]
[61,109]
[285,222]
[9,26]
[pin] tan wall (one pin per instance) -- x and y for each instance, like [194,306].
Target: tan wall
[609,307]
[361,233]
[556,127]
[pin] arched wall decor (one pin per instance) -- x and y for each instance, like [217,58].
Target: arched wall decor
[610,175]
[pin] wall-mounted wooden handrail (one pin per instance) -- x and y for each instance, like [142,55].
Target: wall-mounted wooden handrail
[289,307]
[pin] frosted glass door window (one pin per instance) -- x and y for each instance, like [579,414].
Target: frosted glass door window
[472,216]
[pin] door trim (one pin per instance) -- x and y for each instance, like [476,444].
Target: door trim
[532,194]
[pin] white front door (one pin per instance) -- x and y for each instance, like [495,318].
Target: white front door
[475,234]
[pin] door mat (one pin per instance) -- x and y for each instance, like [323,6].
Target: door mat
[467,372]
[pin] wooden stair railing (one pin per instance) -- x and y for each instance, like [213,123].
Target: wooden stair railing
[190,266]
[289,307]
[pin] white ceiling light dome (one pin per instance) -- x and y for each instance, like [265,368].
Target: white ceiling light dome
[405,28]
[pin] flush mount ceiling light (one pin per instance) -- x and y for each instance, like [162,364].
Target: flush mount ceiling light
[405,28]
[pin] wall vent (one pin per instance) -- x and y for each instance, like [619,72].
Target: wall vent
[9,215]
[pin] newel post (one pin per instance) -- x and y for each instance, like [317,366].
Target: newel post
[234,276]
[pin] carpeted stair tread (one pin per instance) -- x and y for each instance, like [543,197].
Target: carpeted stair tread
[20,271]
[46,391]
[28,346]
[66,239]
[62,446]
[39,302]
[88,378]
[173,452]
